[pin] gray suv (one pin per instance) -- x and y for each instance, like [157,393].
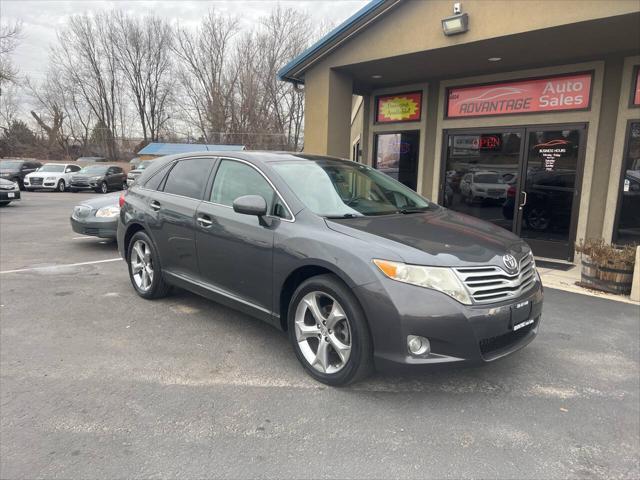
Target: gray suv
[361,271]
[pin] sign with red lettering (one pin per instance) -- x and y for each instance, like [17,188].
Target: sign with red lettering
[560,93]
[403,107]
[636,96]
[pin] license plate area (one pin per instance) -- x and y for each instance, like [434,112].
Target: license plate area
[520,315]
[11,195]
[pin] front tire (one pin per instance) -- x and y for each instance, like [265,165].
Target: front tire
[62,187]
[104,188]
[329,332]
[145,272]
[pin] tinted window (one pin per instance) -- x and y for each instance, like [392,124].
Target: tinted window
[235,179]
[188,177]
[154,182]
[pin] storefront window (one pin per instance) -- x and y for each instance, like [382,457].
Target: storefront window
[628,225]
[481,175]
[397,156]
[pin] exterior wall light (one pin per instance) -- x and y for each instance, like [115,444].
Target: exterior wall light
[457,23]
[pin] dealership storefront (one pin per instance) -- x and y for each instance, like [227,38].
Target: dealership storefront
[550,152]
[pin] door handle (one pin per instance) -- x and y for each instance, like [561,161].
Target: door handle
[155,205]
[204,221]
[524,202]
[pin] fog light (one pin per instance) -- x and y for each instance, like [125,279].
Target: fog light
[418,345]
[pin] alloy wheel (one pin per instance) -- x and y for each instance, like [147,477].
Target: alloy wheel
[61,186]
[141,265]
[323,332]
[104,188]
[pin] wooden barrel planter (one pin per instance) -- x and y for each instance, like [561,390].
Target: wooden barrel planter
[608,279]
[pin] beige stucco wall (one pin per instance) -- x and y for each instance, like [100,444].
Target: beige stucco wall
[414,25]
[625,113]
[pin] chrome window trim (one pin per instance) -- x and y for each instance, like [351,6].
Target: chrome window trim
[293,217]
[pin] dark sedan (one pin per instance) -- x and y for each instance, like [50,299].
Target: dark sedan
[9,192]
[97,217]
[358,268]
[99,178]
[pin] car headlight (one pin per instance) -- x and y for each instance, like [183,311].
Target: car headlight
[50,179]
[437,278]
[108,212]
[16,186]
[95,178]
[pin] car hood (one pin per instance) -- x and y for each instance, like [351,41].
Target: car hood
[108,200]
[5,183]
[83,176]
[439,237]
[9,170]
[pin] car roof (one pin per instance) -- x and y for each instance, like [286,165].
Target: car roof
[256,156]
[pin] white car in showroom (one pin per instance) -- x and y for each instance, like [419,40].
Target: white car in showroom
[51,176]
[483,186]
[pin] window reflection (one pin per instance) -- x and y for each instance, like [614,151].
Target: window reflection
[481,175]
[628,227]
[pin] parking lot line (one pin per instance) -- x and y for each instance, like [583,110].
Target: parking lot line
[53,267]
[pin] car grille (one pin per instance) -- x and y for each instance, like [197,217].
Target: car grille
[492,344]
[80,183]
[495,192]
[493,284]
[35,180]
[81,211]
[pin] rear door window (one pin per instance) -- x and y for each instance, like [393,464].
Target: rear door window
[189,177]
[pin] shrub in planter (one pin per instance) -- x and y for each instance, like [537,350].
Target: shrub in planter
[606,267]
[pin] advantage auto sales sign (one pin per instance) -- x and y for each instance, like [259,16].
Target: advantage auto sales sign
[565,92]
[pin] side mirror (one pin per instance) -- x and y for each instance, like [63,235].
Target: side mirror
[250,205]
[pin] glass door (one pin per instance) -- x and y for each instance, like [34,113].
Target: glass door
[482,173]
[549,190]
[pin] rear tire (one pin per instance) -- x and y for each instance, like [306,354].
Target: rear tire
[347,340]
[145,272]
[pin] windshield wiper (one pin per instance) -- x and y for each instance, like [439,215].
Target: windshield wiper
[406,211]
[344,215]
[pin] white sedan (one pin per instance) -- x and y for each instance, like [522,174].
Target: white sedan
[51,176]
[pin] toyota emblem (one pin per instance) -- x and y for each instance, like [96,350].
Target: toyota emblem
[510,262]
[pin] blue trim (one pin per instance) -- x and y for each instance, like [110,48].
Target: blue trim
[284,72]
[173,148]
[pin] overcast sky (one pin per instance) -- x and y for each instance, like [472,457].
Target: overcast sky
[41,19]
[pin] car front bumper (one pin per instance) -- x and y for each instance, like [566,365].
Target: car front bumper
[95,227]
[84,186]
[9,195]
[472,334]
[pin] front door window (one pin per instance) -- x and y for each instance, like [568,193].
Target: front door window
[397,156]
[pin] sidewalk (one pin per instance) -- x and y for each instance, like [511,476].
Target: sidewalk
[566,280]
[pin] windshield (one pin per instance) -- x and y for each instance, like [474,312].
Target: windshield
[10,164]
[94,169]
[487,178]
[51,167]
[340,189]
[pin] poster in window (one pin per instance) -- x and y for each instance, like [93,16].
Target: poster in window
[402,107]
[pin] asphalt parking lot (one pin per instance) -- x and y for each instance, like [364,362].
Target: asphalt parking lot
[98,383]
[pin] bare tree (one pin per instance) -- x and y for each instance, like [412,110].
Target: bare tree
[143,53]
[206,78]
[9,36]
[87,57]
